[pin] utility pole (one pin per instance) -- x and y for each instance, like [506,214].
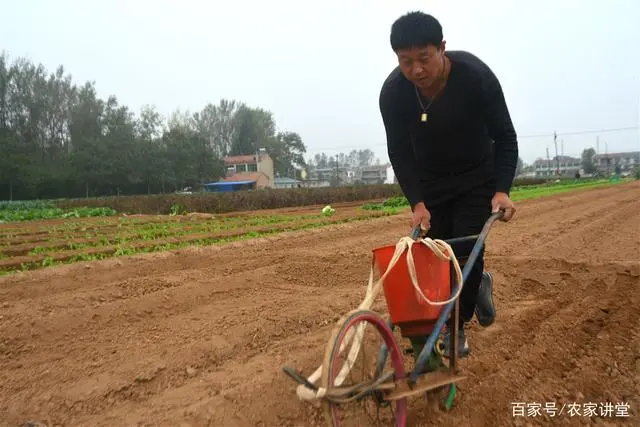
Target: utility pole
[598,144]
[606,155]
[555,142]
[563,160]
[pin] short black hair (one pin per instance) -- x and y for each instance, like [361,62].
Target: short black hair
[415,29]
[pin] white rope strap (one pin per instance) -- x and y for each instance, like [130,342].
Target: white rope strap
[440,248]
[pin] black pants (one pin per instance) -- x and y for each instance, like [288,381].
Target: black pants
[463,216]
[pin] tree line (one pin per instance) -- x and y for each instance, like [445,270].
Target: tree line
[354,158]
[58,139]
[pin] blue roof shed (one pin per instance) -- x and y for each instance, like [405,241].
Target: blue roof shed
[218,187]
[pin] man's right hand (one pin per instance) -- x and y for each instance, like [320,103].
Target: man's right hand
[421,216]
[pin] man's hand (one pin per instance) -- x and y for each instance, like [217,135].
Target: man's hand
[422,217]
[502,201]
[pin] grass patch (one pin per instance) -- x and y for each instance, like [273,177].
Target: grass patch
[536,191]
[396,204]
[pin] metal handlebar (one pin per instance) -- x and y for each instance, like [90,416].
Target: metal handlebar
[444,314]
[494,217]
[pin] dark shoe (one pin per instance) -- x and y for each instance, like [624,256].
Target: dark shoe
[463,344]
[485,309]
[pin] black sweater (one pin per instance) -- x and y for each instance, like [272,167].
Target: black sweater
[468,139]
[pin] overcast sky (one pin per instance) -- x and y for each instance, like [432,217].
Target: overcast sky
[565,65]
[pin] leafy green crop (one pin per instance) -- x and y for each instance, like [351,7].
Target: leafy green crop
[34,210]
[25,205]
[392,203]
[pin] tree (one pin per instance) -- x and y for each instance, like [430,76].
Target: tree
[519,166]
[215,123]
[355,158]
[88,155]
[287,152]
[588,164]
[254,128]
[59,139]
[118,143]
[149,154]
[365,157]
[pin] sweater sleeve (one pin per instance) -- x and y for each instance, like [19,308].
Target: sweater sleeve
[400,149]
[501,130]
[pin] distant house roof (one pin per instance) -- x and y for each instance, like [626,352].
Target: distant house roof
[234,160]
[245,176]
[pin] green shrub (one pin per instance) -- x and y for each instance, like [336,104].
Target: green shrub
[237,201]
[251,200]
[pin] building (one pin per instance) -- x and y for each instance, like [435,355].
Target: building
[251,167]
[559,165]
[616,162]
[246,172]
[349,175]
[391,175]
[375,174]
[284,182]
[345,175]
[260,179]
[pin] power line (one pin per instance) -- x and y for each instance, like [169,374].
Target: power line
[539,135]
[584,132]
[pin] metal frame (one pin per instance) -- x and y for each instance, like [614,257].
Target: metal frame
[445,313]
[429,380]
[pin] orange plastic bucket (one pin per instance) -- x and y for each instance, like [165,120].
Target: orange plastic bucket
[407,309]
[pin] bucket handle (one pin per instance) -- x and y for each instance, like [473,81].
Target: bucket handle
[436,246]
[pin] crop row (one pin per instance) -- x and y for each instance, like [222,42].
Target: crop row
[26,252]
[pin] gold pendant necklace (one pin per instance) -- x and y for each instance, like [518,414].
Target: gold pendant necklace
[423,115]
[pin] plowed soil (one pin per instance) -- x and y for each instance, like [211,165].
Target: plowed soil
[199,336]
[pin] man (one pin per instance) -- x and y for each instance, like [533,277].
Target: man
[452,145]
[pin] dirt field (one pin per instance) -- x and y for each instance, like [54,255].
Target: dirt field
[199,336]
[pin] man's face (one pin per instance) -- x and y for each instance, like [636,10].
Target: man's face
[422,65]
